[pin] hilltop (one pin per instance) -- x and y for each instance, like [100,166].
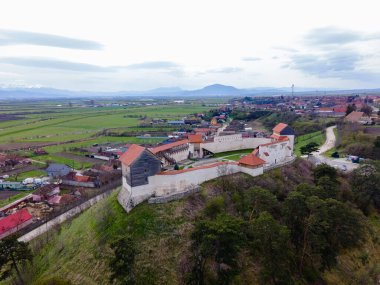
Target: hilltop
[166,235]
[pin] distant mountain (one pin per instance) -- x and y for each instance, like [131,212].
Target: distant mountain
[217,89]
[211,90]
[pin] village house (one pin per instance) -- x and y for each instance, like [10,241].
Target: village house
[14,222]
[75,179]
[358,117]
[48,193]
[57,170]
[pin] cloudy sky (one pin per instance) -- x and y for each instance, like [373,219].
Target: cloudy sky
[138,45]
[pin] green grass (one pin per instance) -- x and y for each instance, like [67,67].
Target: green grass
[232,154]
[19,195]
[69,162]
[24,175]
[77,123]
[80,249]
[317,137]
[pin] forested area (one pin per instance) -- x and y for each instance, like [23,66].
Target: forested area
[292,225]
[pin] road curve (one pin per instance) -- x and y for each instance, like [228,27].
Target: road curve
[339,163]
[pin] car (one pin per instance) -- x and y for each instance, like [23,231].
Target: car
[343,167]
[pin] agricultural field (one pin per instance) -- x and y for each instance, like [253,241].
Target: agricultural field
[60,126]
[7,197]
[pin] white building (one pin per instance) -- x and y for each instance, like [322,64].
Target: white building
[143,177]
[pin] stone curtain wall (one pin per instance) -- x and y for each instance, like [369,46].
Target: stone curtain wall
[231,143]
[165,185]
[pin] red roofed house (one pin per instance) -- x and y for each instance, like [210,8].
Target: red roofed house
[15,222]
[138,163]
[357,117]
[75,179]
[46,192]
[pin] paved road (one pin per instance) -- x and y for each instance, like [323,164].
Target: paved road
[339,163]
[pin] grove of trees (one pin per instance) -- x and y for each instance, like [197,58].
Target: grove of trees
[292,240]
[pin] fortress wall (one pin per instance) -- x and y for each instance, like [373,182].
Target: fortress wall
[180,156]
[277,152]
[230,143]
[169,184]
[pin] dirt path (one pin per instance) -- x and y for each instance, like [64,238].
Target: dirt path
[339,163]
[330,140]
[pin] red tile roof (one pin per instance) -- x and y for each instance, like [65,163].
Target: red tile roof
[202,130]
[197,138]
[133,152]
[325,109]
[82,178]
[251,160]
[164,147]
[279,127]
[255,152]
[354,116]
[173,172]
[14,220]
[339,110]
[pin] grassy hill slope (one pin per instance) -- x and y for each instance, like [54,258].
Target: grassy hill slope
[79,251]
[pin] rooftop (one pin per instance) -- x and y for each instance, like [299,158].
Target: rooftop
[251,160]
[279,127]
[197,138]
[164,147]
[133,152]
[14,220]
[354,116]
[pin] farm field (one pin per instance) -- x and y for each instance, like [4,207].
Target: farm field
[7,197]
[59,126]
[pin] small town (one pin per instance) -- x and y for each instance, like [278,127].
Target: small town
[189,142]
[199,141]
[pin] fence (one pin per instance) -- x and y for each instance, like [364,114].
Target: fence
[80,204]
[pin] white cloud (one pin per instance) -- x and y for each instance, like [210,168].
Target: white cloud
[149,44]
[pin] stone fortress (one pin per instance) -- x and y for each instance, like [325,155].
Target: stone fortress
[142,168]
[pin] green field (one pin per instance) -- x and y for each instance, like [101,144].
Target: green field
[317,137]
[33,173]
[233,155]
[79,123]
[80,126]
[19,195]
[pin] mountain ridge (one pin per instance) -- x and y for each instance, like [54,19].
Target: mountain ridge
[209,90]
